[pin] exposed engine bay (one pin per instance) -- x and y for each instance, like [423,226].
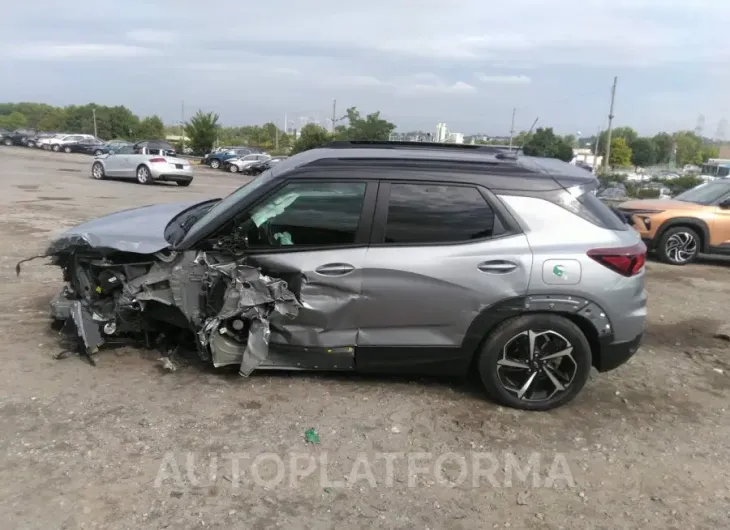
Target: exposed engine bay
[212,298]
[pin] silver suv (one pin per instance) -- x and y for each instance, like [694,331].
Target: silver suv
[378,257]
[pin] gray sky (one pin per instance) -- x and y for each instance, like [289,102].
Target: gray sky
[419,62]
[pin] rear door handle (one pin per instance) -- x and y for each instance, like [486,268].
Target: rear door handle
[334,269]
[497,266]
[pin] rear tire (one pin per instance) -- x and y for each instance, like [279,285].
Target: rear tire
[679,245]
[552,376]
[185,183]
[215,163]
[66,149]
[8,142]
[143,175]
[30,143]
[233,168]
[56,148]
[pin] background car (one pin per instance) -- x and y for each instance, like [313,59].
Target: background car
[58,143]
[216,159]
[146,162]
[260,167]
[236,165]
[18,137]
[3,134]
[111,146]
[88,146]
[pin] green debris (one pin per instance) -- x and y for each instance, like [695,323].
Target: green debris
[328,490]
[311,436]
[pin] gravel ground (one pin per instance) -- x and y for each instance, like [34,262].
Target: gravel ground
[126,445]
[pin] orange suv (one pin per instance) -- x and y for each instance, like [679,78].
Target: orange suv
[677,230]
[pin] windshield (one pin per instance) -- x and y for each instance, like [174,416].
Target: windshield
[231,200]
[706,193]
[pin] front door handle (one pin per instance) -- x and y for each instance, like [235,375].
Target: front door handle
[497,266]
[334,269]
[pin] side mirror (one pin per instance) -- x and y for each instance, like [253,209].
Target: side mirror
[725,204]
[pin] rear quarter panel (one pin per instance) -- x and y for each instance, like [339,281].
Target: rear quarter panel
[559,238]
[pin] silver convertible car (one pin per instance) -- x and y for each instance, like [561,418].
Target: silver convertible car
[145,162]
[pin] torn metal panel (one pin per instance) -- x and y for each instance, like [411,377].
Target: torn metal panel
[87,327]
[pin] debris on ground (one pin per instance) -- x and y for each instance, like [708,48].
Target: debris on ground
[167,365]
[311,436]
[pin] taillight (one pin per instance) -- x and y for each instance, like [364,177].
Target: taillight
[156,160]
[627,261]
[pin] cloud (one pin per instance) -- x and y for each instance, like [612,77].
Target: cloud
[59,51]
[419,61]
[152,36]
[503,79]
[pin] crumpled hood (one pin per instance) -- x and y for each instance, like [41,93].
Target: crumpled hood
[139,230]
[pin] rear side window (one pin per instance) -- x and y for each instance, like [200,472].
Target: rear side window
[430,213]
[582,202]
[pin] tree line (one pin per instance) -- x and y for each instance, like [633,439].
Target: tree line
[627,147]
[112,123]
[204,131]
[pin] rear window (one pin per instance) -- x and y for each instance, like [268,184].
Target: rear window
[581,201]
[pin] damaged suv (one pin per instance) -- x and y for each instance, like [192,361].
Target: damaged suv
[376,257]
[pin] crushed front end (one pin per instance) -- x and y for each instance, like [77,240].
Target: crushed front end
[215,300]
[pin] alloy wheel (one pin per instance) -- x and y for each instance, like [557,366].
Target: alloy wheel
[233,168]
[681,247]
[143,175]
[537,365]
[215,164]
[97,171]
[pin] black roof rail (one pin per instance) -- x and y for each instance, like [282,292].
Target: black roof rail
[384,144]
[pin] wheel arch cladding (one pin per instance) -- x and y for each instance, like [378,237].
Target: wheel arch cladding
[587,315]
[699,225]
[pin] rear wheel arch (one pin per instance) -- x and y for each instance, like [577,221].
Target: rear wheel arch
[698,225]
[596,328]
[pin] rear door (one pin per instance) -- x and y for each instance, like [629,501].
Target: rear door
[441,254]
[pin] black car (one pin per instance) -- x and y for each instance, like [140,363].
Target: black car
[3,134]
[19,137]
[87,146]
[257,169]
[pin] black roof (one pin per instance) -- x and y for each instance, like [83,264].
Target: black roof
[504,169]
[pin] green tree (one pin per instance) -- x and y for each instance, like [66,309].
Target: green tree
[643,152]
[151,128]
[620,153]
[311,136]
[372,127]
[663,145]
[710,151]
[627,133]
[202,129]
[689,148]
[14,120]
[544,142]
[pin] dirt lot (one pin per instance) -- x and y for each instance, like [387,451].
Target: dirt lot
[84,447]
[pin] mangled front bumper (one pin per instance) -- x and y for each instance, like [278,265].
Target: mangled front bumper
[224,303]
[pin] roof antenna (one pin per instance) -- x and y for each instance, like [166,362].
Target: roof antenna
[528,134]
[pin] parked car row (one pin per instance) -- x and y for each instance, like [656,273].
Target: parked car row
[240,159]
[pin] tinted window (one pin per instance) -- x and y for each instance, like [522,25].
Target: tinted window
[125,150]
[307,214]
[425,213]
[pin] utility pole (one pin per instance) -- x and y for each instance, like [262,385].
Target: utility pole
[334,114]
[610,123]
[93,113]
[182,124]
[595,151]
[285,124]
[512,128]
[277,138]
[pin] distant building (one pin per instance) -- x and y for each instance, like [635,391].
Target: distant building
[724,151]
[442,133]
[455,138]
[586,157]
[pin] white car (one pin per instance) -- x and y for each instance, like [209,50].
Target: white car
[58,142]
[239,164]
[145,162]
[44,142]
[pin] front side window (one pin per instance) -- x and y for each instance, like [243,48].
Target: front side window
[304,214]
[431,213]
[125,150]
